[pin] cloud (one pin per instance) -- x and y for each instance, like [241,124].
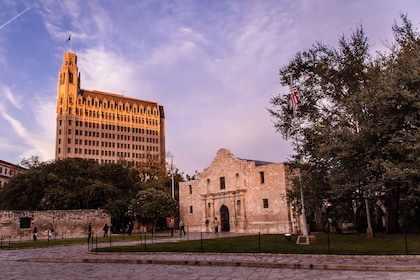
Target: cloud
[16,125]
[13,98]
[213,65]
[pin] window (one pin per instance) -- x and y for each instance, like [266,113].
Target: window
[262,177]
[25,222]
[191,209]
[222,183]
[265,202]
[190,189]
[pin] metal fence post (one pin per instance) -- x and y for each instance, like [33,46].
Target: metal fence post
[201,241]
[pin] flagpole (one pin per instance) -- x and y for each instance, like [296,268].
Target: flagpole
[69,41]
[304,238]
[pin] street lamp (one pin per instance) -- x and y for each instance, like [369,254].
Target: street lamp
[172,174]
[328,206]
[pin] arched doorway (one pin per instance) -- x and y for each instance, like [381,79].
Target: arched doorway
[224,216]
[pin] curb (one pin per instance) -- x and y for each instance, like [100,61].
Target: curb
[325,266]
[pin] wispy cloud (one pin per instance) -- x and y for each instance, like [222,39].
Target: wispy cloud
[13,98]
[18,128]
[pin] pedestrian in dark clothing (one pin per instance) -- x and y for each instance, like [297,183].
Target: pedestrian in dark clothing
[89,231]
[34,232]
[105,230]
[216,225]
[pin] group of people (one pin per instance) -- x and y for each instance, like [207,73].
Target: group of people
[172,227]
[50,229]
[50,232]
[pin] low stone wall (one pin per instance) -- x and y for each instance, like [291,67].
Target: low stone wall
[66,223]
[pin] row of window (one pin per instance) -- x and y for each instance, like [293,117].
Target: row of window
[105,104]
[112,127]
[265,205]
[107,153]
[7,171]
[112,136]
[121,118]
[112,145]
[223,181]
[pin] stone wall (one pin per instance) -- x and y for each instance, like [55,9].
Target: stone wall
[66,223]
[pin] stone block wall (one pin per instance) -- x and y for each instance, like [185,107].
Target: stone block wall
[16,225]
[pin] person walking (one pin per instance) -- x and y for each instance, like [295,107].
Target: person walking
[181,227]
[89,231]
[50,231]
[105,229]
[34,233]
[171,226]
[216,225]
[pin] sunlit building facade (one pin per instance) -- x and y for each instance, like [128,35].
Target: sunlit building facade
[103,126]
[244,196]
[8,170]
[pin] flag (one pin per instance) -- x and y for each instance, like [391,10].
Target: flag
[294,99]
[69,39]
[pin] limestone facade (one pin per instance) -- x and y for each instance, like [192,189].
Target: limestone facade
[66,223]
[245,196]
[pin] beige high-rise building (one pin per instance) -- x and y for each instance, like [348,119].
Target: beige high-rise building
[104,126]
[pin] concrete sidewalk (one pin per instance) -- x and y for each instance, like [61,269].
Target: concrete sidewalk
[80,254]
[330,262]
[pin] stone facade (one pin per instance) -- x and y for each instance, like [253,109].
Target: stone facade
[66,223]
[245,196]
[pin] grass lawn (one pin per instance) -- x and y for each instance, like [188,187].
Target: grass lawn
[340,244]
[5,244]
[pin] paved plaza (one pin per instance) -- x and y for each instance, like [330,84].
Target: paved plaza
[76,262]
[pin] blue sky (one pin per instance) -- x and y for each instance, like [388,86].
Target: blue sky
[212,64]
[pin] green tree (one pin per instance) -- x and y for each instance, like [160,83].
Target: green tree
[151,205]
[358,121]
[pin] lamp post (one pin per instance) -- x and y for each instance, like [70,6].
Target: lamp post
[328,207]
[172,174]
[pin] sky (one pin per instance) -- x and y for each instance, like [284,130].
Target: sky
[213,64]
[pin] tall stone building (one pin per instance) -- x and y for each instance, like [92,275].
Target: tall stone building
[103,126]
[246,196]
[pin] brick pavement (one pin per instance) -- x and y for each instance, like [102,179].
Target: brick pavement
[80,254]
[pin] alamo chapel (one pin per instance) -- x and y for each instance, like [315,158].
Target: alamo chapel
[245,196]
